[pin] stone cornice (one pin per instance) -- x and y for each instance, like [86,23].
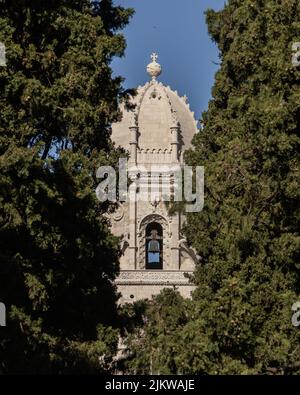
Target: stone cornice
[153,277]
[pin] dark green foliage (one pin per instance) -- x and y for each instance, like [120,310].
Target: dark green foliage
[248,233]
[154,346]
[57,255]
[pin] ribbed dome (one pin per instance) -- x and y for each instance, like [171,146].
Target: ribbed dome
[157,108]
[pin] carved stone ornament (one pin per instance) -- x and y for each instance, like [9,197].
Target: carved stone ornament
[154,68]
[119,214]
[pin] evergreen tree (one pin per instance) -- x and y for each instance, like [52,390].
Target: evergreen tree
[57,255]
[248,233]
[153,344]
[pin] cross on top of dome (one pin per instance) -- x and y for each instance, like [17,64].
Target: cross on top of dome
[154,57]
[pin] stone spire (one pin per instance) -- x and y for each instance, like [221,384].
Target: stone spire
[154,68]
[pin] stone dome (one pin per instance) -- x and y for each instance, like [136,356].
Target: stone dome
[157,108]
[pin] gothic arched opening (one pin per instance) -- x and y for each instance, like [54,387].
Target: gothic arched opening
[154,246]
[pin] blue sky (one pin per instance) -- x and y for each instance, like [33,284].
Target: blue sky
[177,31]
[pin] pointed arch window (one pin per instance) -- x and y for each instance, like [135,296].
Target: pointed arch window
[154,246]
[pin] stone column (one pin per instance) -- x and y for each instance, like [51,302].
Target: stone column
[175,142]
[133,139]
[132,224]
[175,227]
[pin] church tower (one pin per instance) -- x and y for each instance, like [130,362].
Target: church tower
[155,132]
